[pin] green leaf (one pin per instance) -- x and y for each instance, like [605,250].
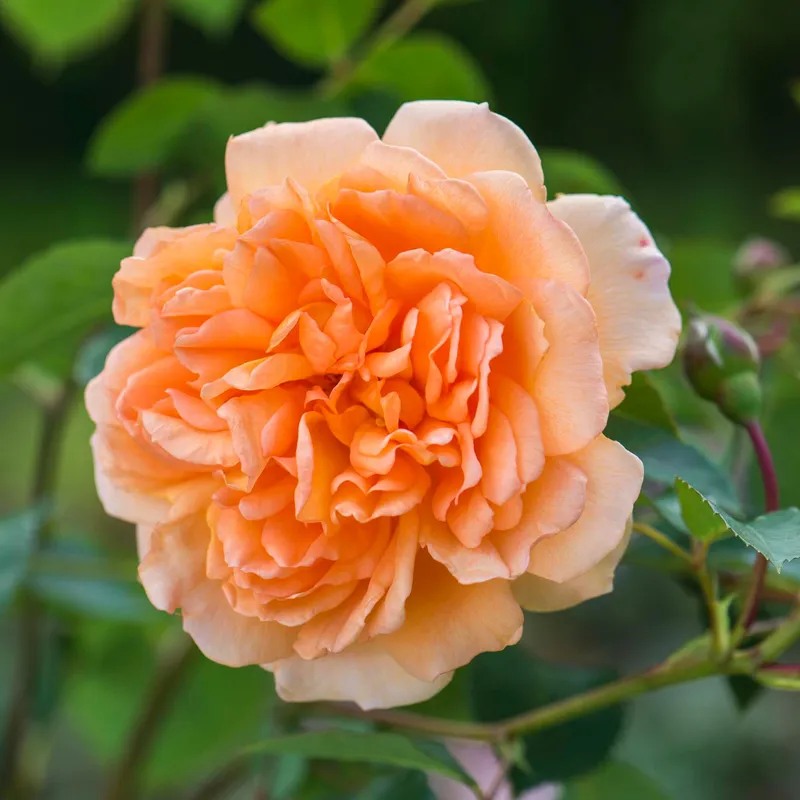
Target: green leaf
[91,357]
[214,17]
[614,781]
[62,291]
[785,204]
[56,31]
[17,534]
[775,535]
[72,575]
[424,65]
[571,172]
[665,458]
[644,403]
[699,515]
[141,132]
[105,695]
[510,682]
[314,32]
[388,749]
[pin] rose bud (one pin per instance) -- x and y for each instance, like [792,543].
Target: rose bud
[722,362]
[755,258]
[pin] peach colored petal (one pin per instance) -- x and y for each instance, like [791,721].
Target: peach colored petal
[637,320]
[312,153]
[568,385]
[519,409]
[448,624]
[364,674]
[539,594]
[465,137]
[131,506]
[467,564]
[185,443]
[393,221]
[457,197]
[523,241]
[497,452]
[170,259]
[320,458]
[175,560]
[551,504]
[257,279]
[224,211]
[269,372]
[398,164]
[614,480]
[230,638]
[415,273]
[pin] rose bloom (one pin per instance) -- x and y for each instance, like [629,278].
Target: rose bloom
[361,423]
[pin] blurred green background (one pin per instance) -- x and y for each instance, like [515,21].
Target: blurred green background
[685,107]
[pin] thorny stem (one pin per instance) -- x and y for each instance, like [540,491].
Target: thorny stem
[176,658]
[771,503]
[13,776]
[393,28]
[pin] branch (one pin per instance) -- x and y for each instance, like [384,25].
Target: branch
[13,768]
[395,27]
[556,713]
[150,66]
[663,541]
[176,658]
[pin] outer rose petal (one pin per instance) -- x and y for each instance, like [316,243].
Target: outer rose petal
[539,594]
[637,320]
[448,624]
[615,478]
[311,153]
[364,674]
[224,212]
[466,137]
[231,638]
[123,504]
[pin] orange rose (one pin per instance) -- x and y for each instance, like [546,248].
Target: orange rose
[362,421]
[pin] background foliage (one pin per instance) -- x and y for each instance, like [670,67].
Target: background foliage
[689,109]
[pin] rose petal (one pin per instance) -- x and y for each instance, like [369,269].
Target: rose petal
[448,624]
[364,674]
[539,594]
[311,153]
[637,320]
[466,137]
[615,478]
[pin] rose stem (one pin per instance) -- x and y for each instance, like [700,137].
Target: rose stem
[29,635]
[176,657]
[150,66]
[771,503]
